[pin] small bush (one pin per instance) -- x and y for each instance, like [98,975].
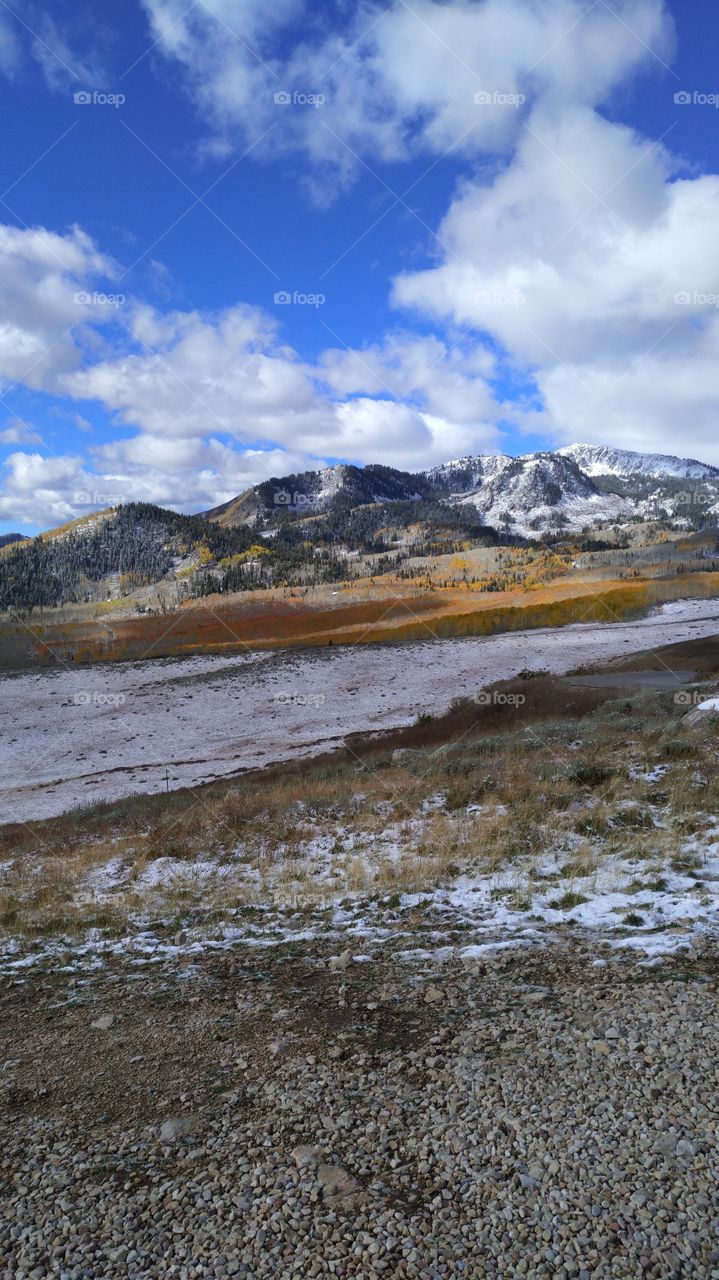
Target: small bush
[590,775]
[567,901]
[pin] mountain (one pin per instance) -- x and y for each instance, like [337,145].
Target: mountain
[316,491]
[113,552]
[344,521]
[7,538]
[577,487]
[600,460]
[536,494]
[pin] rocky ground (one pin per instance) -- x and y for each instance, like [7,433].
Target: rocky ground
[545,1111]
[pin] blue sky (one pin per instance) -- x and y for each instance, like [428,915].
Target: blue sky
[493,221]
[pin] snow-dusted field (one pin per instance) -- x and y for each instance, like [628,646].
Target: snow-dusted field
[73,736]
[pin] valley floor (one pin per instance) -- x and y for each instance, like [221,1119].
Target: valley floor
[81,735]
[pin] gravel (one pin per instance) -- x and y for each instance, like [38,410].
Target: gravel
[537,1116]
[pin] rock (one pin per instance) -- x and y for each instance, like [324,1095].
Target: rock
[306,1157]
[702,714]
[336,1182]
[685,1149]
[337,964]
[177,1127]
[665,1144]
[104,1023]
[433,995]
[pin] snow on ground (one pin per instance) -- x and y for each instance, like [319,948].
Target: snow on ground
[78,736]
[618,902]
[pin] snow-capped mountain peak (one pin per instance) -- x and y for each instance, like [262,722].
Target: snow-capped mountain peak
[602,460]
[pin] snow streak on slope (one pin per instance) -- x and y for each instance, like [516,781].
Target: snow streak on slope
[600,460]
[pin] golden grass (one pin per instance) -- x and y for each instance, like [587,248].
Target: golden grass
[572,787]
[365,614]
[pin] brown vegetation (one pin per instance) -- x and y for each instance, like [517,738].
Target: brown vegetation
[268,620]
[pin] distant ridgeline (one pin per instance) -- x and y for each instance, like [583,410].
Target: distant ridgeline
[313,527]
[139,542]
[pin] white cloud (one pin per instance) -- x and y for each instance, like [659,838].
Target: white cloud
[597,268]
[195,374]
[397,79]
[231,374]
[18,432]
[45,281]
[47,491]
[450,381]
[665,402]
[42,491]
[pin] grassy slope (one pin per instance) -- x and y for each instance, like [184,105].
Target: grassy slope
[593,789]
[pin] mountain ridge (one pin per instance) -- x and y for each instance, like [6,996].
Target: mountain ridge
[571,488]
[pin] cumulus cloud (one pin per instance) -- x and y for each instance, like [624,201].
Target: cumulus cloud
[594,262]
[194,373]
[445,380]
[45,282]
[230,373]
[19,432]
[666,401]
[44,491]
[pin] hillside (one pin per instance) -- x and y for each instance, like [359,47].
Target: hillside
[6,539]
[343,523]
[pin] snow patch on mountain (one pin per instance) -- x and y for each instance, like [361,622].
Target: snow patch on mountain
[541,492]
[601,460]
